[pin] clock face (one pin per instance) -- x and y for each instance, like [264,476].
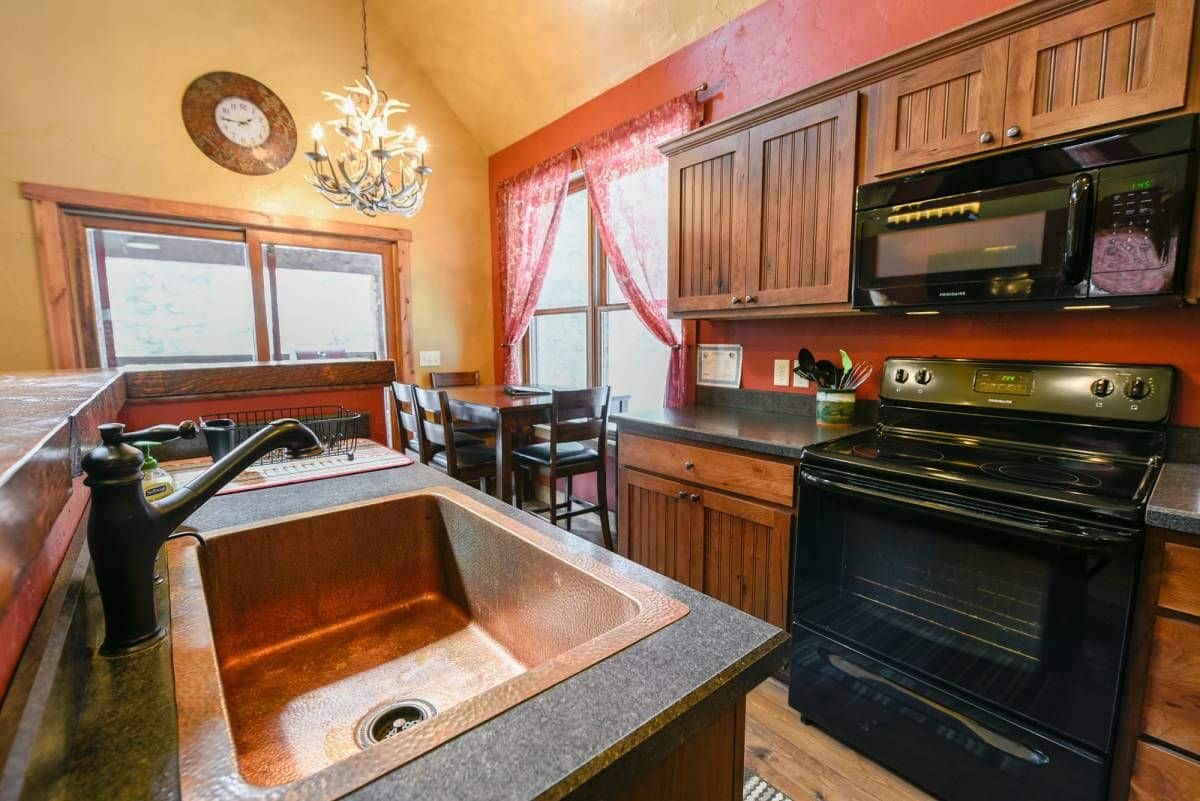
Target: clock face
[239,123]
[242,122]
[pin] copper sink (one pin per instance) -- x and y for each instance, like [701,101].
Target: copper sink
[292,637]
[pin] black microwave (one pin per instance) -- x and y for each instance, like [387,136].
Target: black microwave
[1088,222]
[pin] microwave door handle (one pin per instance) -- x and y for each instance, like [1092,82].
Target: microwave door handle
[994,739]
[1079,204]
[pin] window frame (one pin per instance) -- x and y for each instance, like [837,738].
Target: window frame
[597,299]
[62,215]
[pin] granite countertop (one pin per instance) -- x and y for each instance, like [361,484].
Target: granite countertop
[770,433]
[1175,502]
[84,727]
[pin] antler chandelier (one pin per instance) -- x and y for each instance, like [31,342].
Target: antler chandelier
[378,170]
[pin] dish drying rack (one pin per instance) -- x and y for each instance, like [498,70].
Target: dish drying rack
[336,427]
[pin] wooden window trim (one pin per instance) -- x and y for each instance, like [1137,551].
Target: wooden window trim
[59,215]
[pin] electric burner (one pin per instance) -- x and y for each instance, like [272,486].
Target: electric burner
[1039,474]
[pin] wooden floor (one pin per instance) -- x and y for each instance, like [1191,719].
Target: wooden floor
[809,765]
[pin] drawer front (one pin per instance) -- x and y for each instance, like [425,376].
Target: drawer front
[1162,775]
[1180,589]
[1172,703]
[751,476]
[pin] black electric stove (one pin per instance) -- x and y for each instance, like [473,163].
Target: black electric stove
[964,572]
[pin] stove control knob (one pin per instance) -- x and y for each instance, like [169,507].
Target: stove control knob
[924,376]
[1137,388]
[1102,387]
[901,375]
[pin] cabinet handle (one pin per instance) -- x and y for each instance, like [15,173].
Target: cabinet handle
[750,298]
[986,138]
[735,299]
[681,494]
[1013,132]
[695,497]
[688,465]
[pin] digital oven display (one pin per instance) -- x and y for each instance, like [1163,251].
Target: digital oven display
[1004,382]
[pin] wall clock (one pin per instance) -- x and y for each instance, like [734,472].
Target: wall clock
[239,123]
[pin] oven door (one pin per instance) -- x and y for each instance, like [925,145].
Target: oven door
[1030,625]
[1020,242]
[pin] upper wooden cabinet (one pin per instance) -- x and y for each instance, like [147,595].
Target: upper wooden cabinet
[801,170]
[948,109]
[1104,63]
[1108,62]
[707,214]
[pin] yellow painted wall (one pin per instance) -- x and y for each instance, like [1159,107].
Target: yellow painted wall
[89,98]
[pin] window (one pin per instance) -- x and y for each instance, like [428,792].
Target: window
[583,332]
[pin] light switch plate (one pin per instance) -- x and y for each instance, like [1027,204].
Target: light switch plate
[783,367]
[797,379]
[431,358]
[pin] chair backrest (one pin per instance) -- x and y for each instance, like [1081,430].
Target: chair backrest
[412,434]
[437,423]
[577,415]
[465,378]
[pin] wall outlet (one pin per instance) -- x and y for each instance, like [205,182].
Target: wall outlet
[797,379]
[783,369]
[431,358]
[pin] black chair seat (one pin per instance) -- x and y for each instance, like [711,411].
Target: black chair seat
[468,455]
[569,453]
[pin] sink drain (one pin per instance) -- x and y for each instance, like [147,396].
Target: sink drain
[392,720]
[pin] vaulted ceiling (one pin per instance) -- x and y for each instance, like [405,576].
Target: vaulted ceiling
[508,67]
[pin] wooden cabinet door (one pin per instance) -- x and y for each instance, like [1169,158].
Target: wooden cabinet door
[707,218]
[947,109]
[656,526]
[1104,63]
[746,547]
[801,170]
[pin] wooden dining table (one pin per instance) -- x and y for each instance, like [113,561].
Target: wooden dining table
[509,414]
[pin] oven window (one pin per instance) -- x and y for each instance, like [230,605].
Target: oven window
[989,244]
[1029,626]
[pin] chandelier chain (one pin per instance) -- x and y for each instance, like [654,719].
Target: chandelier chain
[366,62]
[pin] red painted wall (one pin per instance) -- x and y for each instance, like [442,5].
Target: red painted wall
[772,50]
[785,45]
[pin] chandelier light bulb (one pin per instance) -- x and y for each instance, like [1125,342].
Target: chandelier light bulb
[318,132]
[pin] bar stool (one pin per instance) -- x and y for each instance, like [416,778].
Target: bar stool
[469,461]
[577,416]
[461,378]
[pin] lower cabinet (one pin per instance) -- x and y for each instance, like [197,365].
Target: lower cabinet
[1158,751]
[733,548]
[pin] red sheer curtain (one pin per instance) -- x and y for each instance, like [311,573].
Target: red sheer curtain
[528,206]
[626,184]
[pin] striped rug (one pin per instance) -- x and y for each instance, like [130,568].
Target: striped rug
[756,788]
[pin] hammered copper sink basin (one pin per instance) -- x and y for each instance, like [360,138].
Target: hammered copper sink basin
[295,639]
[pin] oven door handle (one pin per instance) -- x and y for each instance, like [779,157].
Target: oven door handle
[1079,205]
[994,739]
[1042,530]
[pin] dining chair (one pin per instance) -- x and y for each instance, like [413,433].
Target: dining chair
[577,417]
[412,433]
[462,378]
[469,459]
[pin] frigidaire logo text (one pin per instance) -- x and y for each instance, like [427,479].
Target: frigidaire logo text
[958,294]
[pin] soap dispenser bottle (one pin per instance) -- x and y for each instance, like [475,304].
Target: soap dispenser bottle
[156,482]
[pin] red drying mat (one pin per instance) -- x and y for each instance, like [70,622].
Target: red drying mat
[368,457]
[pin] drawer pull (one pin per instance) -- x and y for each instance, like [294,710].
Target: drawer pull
[695,497]
[688,465]
[681,494]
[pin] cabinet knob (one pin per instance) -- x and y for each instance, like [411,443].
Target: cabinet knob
[1013,132]
[695,497]
[681,494]
[735,299]
[688,465]
[750,298]
[986,138]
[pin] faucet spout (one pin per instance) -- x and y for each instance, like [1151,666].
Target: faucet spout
[126,531]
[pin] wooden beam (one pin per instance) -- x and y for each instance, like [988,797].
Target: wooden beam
[89,200]
[193,381]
